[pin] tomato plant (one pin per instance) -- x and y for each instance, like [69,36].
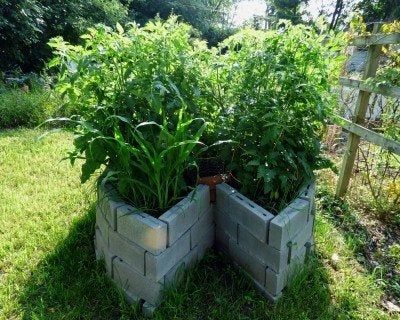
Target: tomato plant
[275,101]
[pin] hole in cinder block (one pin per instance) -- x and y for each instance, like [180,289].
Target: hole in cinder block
[240,198]
[251,205]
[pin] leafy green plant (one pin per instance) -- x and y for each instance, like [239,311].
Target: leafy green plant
[26,109]
[27,25]
[273,88]
[137,98]
[136,94]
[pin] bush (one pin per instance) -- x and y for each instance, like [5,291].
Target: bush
[274,105]
[137,97]
[27,109]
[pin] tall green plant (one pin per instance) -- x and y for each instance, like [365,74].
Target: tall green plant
[274,95]
[137,97]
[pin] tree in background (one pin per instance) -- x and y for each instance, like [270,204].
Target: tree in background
[27,25]
[287,9]
[379,10]
[336,15]
[210,17]
[21,28]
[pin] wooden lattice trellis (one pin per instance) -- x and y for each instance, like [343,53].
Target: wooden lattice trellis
[357,131]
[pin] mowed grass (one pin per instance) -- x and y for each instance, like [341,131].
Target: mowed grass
[48,268]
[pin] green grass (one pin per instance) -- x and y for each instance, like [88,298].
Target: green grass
[48,268]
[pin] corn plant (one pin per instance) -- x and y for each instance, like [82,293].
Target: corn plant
[137,96]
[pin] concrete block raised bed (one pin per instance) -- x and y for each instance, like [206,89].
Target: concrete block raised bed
[143,254]
[268,247]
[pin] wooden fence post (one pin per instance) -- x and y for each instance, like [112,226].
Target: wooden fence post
[371,67]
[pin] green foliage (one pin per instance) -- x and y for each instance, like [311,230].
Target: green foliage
[27,25]
[275,87]
[379,10]
[210,17]
[137,97]
[28,109]
[287,9]
[21,27]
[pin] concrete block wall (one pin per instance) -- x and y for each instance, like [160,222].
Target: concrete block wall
[143,254]
[269,248]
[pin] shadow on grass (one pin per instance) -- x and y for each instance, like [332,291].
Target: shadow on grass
[215,289]
[69,284]
[366,243]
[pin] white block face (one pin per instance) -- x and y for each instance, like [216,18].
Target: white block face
[144,254]
[128,251]
[157,266]
[142,229]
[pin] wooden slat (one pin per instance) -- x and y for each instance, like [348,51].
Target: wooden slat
[369,135]
[376,39]
[359,118]
[385,90]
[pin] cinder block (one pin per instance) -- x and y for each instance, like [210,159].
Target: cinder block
[142,229]
[222,240]
[287,223]
[301,238]
[201,198]
[248,262]
[157,266]
[176,273]
[225,222]
[276,282]
[206,242]
[271,257]
[135,284]
[102,224]
[244,211]
[102,252]
[181,217]
[201,227]
[268,295]
[108,203]
[251,215]
[308,191]
[223,191]
[128,251]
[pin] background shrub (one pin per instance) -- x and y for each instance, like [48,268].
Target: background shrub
[28,109]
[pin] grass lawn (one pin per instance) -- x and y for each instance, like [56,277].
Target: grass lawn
[48,268]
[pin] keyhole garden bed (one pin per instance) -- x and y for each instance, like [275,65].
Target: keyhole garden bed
[151,103]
